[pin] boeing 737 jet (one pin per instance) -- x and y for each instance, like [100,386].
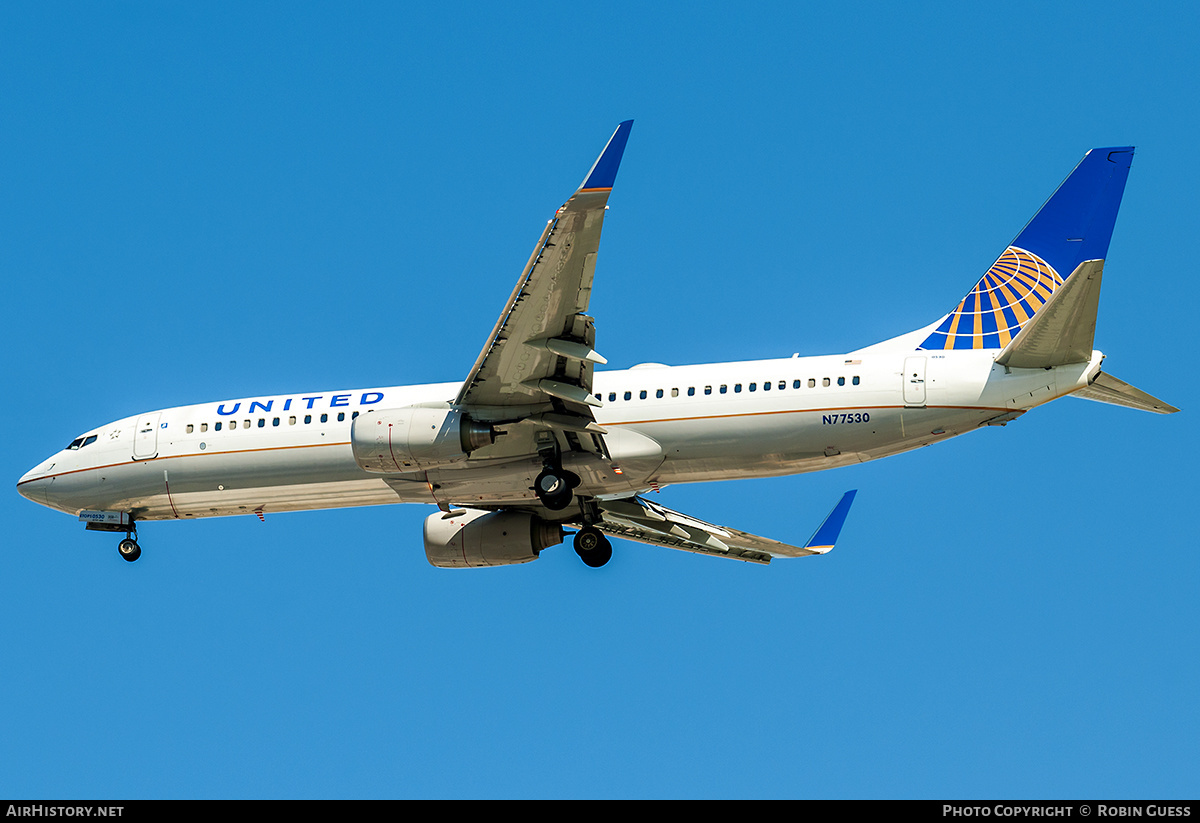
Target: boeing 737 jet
[536,441]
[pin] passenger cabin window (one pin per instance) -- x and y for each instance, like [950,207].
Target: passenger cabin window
[628,395]
[824,381]
[854,380]
[795,384]
[812,382]
[691,391]
[659,393]
[841,381]
[642,394]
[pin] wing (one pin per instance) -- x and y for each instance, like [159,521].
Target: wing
[537,364]
[635,518]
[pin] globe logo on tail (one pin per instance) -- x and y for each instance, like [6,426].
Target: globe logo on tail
[1014,288]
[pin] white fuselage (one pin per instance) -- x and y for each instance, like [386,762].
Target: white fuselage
[681,424]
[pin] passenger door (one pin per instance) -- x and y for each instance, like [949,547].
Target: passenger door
[145,436]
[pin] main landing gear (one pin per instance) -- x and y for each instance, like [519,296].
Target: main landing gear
[554,487]
[592,547]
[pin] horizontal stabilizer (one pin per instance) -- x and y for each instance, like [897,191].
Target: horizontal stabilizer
[1064,329]
[1108,389]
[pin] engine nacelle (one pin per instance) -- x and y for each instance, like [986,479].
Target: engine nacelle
[415,438]
[471,538]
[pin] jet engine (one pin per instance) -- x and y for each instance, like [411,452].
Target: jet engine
[415,438]
[470,538]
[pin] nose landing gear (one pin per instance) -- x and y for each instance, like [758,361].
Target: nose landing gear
[107,521]
[129,549]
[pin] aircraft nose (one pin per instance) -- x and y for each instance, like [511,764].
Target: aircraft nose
[35,485]
[33,488]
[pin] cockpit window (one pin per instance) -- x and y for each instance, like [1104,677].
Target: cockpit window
[80,442]
[76,443]
[91,439]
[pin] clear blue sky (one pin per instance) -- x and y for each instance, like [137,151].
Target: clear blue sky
[220,200]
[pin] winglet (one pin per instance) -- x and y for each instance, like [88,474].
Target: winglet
[604,170]
[827,533]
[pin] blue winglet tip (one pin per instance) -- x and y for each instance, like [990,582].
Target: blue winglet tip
[827,533]
[604,171]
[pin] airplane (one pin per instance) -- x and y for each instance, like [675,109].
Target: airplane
[536,440]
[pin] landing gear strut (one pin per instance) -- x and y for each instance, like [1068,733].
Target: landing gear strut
[592,547]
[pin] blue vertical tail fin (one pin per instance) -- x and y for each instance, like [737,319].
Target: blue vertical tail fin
[1074,225]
